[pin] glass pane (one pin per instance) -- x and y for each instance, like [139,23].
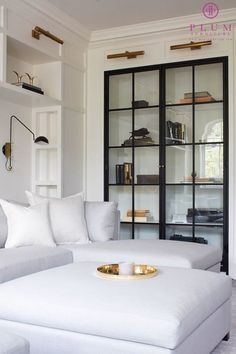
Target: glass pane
[149,119]
[178,84]
[209,163]
[120,91]
[209,123]
[179,125]
[211,235]
[146,232]
[178,164]
[147,201]
[146,88]
[178,200]
[120,127]
[125,232]
[147,165]
[123,196]
[208,205]
[179,233]
[209,82]
[120,164]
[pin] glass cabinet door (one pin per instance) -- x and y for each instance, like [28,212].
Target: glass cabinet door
[166,147]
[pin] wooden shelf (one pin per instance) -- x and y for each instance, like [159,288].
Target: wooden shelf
[23,97]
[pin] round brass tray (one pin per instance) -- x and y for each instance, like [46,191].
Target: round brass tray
[141,271]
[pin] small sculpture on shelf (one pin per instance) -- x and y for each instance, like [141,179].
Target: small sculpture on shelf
[139,137]
[25,85]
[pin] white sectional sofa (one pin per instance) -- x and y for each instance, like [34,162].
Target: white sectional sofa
[52,296]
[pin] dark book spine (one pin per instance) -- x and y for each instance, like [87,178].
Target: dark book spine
[121,174]
[118,174]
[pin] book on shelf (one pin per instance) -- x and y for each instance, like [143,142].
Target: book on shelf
[124,173]
[175,132]
[30,87]
[197,99]
[197,94]
[139,213]
[137,219]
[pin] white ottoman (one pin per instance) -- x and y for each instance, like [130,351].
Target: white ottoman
[159,252]
[69,309]
[11,344]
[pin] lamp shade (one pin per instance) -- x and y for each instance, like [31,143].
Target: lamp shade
[41,140]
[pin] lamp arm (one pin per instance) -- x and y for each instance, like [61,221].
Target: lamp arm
[11,118]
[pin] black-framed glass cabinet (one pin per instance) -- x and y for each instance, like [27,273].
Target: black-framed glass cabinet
[166,151]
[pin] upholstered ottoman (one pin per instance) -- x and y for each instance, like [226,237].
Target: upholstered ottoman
[159,252]
[69,309]
[11,344]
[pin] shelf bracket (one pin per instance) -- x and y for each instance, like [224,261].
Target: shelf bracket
[37,31]
[192,45]
[126,54]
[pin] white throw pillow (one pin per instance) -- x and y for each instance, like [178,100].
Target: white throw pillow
[66,216]
[27,226]
[101,220]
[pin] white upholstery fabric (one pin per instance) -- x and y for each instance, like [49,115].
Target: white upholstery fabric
[159,252]
[12,344]
[18,262]
[45,340]
[162,311]
[3,227]
[67,217]
[27,226]
[101,220]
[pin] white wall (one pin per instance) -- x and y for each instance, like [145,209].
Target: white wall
[14,183]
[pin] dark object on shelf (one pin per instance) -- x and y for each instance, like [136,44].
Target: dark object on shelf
[140,104]
[148,179]
[177,237]
[139,137]
[119,174]
[175,132]
[140,133]
[30,87]
[205,215]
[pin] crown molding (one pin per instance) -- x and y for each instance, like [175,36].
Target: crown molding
[170,24]
[60,17]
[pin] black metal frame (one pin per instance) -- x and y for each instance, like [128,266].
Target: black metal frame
[162,143]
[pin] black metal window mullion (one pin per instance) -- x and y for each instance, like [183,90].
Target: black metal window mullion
[133,155]
[162,154]
[193,150]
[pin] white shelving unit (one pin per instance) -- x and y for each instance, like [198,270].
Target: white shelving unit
[59,113]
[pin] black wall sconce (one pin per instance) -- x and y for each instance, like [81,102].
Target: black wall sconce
[7,150]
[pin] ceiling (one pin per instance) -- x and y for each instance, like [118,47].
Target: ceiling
[101,14]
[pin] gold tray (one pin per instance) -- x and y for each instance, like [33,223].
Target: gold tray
[141,271]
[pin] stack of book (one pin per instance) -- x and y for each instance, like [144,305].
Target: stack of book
[139,215]
[200,96]
[175,132]
[124,173]
[30,87]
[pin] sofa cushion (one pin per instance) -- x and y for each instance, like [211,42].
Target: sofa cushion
[3,228]
[27,226]
[66,216]
[18,262]
[159,252]
[161,311]
[101,219]
[12,344]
